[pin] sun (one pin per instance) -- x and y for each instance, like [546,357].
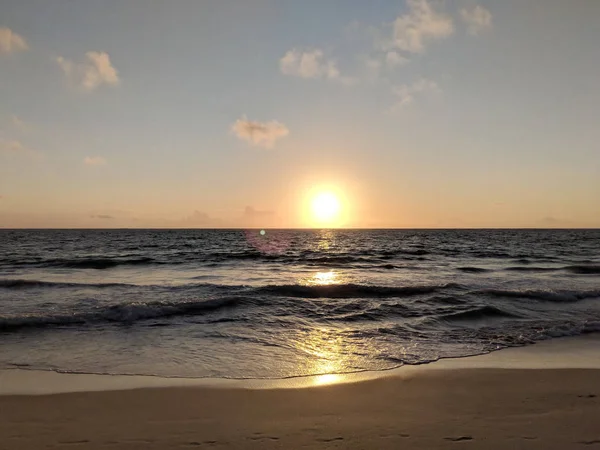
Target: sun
[326,208]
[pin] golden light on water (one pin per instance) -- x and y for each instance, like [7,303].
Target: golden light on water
[325,349]
[324,278]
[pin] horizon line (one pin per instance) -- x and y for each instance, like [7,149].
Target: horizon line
[296,228]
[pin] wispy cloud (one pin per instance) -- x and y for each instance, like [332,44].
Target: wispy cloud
[94,161]
[11,42]
[95,70]
[477,19]
[252,213]
[261,134]
[12,146]
[406,94]
[200,219]
[421,24]
[312,64]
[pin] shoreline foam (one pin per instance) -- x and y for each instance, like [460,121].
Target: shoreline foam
[580,352]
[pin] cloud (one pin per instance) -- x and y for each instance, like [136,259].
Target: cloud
[311,64]
[17,148]
[94,161]
[394,59]
[412,31]
[200,219]
[261,134]
[251,213]
[94,71]
[11,42]
[102,216]
[477,19]
[12,146]
[406,93]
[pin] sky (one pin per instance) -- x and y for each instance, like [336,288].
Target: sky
[413,113]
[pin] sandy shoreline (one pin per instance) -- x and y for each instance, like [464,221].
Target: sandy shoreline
[582,352]
[448,407]
[467,408]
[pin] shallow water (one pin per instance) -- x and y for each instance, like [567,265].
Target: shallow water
[230,303]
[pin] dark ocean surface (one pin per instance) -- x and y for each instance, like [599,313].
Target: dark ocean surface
[232,303]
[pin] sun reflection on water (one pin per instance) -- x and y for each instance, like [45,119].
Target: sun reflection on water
[328,354]
[324,278]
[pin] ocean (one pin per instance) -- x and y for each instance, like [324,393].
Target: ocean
[286,303]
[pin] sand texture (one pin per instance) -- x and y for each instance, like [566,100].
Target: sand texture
[454,409]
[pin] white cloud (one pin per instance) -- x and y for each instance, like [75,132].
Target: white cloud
[420,24]
[311,64]
[94,71]
[394,59]
[11,42]
[303,64]
[406,94]
[477,19]
[261,134]
[94,161]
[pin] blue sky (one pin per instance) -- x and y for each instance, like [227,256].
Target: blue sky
[230,113]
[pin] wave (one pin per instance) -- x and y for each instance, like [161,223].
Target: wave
[251,255]
[286,290]
[473,269]
[211,258]
[549,296]
[584,270]
[333,260]
[350,290]
[532,269]
[83,263]
[578,269]
[24,284]
[125,313]
[482,312]
[238,296]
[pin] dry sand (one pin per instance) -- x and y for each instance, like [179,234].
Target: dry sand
[466,408]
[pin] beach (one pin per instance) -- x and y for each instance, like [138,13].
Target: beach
[494,402]
[299,225]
